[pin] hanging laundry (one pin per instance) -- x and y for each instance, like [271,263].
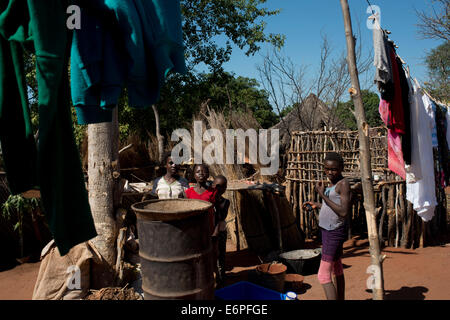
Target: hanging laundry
[396,117]
[422,193]
[135,47]
[395,155]
[394,142]
[391,113]
[16,135]
[41,26]
[443,147]
[382,62]
[431,107]
[404,91]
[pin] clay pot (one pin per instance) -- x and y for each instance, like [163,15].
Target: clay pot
[271,276]
[293,282]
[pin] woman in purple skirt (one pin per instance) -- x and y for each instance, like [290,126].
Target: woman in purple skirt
[333,225]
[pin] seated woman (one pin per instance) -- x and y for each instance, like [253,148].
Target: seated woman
[171,185]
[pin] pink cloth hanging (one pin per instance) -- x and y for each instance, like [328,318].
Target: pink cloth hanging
[395,154]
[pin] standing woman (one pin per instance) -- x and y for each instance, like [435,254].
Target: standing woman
[171,185]
[333,223]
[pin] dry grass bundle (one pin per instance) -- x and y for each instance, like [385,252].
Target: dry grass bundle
[135,157]
[212,119]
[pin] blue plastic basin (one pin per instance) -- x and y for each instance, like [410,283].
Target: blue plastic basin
[245,290]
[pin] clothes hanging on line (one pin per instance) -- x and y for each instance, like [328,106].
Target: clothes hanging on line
[382,61]
[55,165]
[392,114]
[135,46]
[417,129]
[422,192]
[440,144]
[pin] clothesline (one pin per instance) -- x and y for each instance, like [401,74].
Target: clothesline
[446,105]
[418,134]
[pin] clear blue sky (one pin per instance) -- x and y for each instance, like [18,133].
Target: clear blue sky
[303,21]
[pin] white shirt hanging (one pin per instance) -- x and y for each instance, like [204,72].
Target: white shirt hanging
[422,193]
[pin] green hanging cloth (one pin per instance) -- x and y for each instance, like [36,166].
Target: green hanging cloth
[58,166]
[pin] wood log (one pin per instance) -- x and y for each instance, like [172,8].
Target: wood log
[295,208]
[365,160]
[383,214]
[409,225]
[404,214]
[391,216]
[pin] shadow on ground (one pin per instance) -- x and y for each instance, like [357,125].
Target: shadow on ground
[404,293]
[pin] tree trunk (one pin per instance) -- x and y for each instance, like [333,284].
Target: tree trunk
[377,282]
[102,164]
[158,134]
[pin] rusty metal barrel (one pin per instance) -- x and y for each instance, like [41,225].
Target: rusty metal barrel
[175,249]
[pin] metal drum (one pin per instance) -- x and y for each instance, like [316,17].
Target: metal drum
[175,249]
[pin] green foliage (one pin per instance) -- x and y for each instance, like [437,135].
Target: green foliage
[238,21]
[79,131]
[438,64]
[242,94]
[183,96]
[371,103]
[14,210]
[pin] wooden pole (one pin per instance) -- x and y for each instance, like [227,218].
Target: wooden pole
[377,283]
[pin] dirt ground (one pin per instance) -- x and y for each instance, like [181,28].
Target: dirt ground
[409,274]
[419,274]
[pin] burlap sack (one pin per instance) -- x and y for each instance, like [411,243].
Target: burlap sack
[65,277]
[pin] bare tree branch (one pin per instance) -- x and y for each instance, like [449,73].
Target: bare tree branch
[435,24]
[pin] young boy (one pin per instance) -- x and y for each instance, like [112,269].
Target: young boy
[333,224]
[221,207]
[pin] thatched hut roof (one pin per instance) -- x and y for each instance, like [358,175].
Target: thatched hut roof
[311,114]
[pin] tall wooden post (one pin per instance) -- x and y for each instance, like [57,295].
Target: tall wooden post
[376,282]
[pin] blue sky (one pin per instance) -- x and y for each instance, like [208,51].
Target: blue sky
[303,21]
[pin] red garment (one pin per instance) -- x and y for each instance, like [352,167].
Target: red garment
[208,195]
[396,118]
[395,154]
[394,142]
[392,114]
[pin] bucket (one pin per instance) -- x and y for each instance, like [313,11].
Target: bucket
[304,261]
[271,276]
[175,249]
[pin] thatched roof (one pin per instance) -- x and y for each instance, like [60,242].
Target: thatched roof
[311,114]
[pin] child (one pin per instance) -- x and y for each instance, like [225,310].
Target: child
[333,224]
[221,207]
[202,191]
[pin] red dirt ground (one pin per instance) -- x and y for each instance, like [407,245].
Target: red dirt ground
[409,274]
[419,274]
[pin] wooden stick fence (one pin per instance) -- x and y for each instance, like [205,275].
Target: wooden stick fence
[398,223]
